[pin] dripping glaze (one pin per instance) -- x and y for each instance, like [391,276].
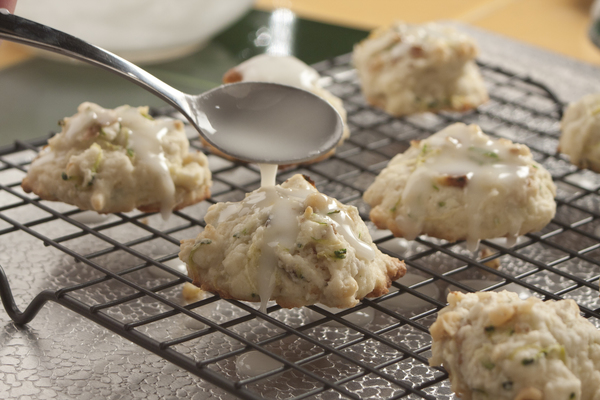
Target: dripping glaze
[462,151]
[145,139]
[284,207]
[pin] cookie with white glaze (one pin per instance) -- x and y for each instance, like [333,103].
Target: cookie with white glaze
[498,346]
[286,70]
[580,138]
[118,160]
[409,68]
[291,244]
[460,184]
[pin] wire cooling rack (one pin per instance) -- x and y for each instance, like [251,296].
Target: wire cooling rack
[121,271]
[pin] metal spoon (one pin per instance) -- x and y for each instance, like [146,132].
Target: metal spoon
[253,121]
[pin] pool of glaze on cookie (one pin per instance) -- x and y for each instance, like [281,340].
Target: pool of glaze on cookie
[488,165]
[84,120]
[278,69]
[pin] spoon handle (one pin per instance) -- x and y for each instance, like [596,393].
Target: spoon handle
[22,30]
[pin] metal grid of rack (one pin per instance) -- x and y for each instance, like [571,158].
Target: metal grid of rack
[121,271]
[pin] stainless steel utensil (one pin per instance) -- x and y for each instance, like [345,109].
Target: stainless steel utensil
[253,121]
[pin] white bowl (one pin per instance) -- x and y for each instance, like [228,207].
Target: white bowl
[141,31]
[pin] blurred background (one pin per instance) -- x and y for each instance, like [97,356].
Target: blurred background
[190,43]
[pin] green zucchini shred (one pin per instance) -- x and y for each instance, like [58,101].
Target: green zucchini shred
[341,254]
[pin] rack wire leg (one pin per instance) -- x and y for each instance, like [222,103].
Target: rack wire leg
[22,318]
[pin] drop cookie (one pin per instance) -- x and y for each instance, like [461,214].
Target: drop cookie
[497,346]
[291,244]
[118,160]
[460,184]
[409,68]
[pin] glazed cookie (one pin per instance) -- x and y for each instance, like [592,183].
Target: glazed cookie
[461,184]
[286,70]
[497,346]
[291,244]
[117,160]
[407,68]
[580,138]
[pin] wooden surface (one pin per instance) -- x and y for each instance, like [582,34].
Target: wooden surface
[556,25]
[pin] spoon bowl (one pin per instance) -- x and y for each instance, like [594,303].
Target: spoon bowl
[257,122]
[273,123]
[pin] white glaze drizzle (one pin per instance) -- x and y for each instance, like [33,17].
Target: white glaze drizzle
[285,206]
[282,230]
[462,151]
[146,142]
[282,227]
[144,138]
[341,222]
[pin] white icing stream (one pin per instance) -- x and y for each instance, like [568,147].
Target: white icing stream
[342,223]
[268,175]
[457,151]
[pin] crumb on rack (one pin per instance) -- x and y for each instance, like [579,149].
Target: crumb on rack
[191,293]
[495,263]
